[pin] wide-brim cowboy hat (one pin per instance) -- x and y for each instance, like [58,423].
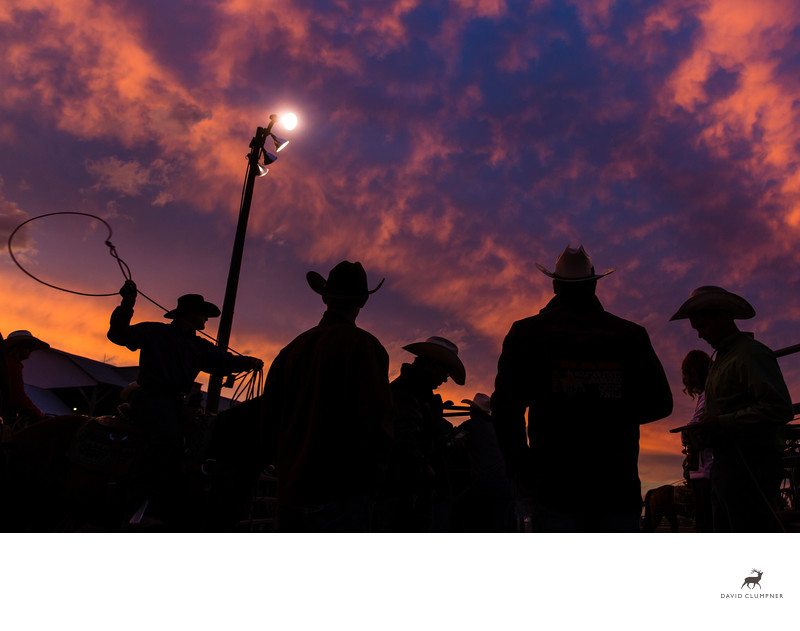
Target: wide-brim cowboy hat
[573,266]
[480,401]
[193,302]
[345,280]
[712,298]
[444,351]
[24,338]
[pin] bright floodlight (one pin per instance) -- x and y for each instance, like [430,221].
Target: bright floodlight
[289,121]
[280,143]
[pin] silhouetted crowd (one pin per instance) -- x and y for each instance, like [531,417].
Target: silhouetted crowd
[553,449]
[561,430]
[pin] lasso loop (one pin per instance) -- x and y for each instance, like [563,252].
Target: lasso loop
[123,267]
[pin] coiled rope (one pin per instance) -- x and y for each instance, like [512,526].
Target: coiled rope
[126,272]
[123,266]
[251,387]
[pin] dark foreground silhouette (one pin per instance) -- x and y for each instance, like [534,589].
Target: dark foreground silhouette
[77,473]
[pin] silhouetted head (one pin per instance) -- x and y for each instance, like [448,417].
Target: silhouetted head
[438,357]
[574,273]
[345,287]
[713,326]
[21,344]
[193,312]
[586,288]
[712,310]
[573,266]
[711,298]
[694,372]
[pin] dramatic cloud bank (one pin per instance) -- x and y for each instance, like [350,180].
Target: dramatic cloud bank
[448,145]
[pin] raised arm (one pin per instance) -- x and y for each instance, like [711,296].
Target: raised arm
[119,327]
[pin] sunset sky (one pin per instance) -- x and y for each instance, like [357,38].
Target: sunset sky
[447,145]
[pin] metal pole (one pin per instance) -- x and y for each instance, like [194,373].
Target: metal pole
[226,315]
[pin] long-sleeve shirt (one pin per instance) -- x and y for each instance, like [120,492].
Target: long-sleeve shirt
[170,357]
[746,390]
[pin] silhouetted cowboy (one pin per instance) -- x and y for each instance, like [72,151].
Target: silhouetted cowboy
[327,397]
[18,347]
[747,406]
[171,356]
[588,379]
[418,493]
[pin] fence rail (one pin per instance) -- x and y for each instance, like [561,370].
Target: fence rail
[787,351]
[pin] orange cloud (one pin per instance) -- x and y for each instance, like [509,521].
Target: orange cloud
[742,38]
[11,216]
[405,206]
[114,87]
[129,178]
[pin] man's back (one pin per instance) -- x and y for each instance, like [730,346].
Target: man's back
[590,379]
[328,390]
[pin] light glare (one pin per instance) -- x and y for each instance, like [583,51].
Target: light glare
[289,121]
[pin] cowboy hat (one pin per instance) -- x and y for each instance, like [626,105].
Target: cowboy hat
[444,351]
[573,266]
[193,302]
[480,401]
[22,337]
[346,280]
[711,298]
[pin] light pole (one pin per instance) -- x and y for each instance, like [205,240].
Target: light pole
[254,169]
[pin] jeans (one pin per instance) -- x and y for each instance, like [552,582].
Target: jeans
[745,484]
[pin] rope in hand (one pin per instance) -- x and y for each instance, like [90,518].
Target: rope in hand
[123,266]
[251,384]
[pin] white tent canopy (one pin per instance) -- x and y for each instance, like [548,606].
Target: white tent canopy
[48,371]
[50,368]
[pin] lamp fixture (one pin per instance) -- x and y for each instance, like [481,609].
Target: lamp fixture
[266,158]
[280,143]
[257,160]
